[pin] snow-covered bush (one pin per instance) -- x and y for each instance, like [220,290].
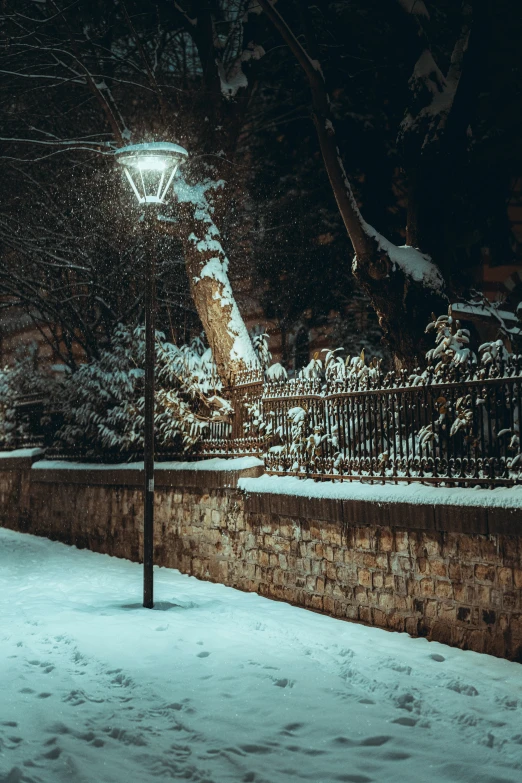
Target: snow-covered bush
[305,442]
[6,409]
[103,402]
[277,373]
[22,378]
[272,372]
[452,344]
[260,345]
[353,369]
[493,354]
[313,370]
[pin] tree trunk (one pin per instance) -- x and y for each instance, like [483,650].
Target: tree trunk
[207,270]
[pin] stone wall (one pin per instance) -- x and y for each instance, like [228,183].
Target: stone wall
[453,574]
[15,492]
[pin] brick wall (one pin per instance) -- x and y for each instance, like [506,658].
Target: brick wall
[453,574]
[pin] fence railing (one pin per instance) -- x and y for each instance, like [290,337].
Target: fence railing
[237,438]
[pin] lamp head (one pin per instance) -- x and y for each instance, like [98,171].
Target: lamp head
[150,168]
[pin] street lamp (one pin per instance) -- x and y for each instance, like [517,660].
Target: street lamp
[150,169]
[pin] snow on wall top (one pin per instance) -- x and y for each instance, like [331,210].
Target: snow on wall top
[217,463]
[418,494]
[21,453]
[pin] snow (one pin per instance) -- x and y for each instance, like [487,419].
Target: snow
[220,686]
[232,83]
[21,453]
[276,372]
[427,76]
[488,311]
[152,146]
[427,71]
[216,463]
[413,263]
[415,7]
[417,265]
[416,493]
[463,309]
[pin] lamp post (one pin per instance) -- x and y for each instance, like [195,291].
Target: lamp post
[150,169]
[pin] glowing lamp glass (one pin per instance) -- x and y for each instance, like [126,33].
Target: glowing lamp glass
[151,164]
[150,168]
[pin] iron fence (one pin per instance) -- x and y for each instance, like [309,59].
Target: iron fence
[236,437]
[454,426]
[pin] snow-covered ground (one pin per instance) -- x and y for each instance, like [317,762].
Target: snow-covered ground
[222,686]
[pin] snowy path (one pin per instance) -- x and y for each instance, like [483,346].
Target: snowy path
[221,686]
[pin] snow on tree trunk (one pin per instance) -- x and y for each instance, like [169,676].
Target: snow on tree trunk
[207,270]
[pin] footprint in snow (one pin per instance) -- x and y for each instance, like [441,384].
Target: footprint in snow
[252,748]
[460,687]
[406,701]
[284,682]
[126,737]
[79,658]
[75,698]
[405,721]
[120,680]
[53,754]
[345,742]
[14,775]
[293,726]
[92,739]
[47,667]
[467,719]
[395,755]
[375,742]
[506,702]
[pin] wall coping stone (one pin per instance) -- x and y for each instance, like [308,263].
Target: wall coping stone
[210,474]
[19,459]
[443,518]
